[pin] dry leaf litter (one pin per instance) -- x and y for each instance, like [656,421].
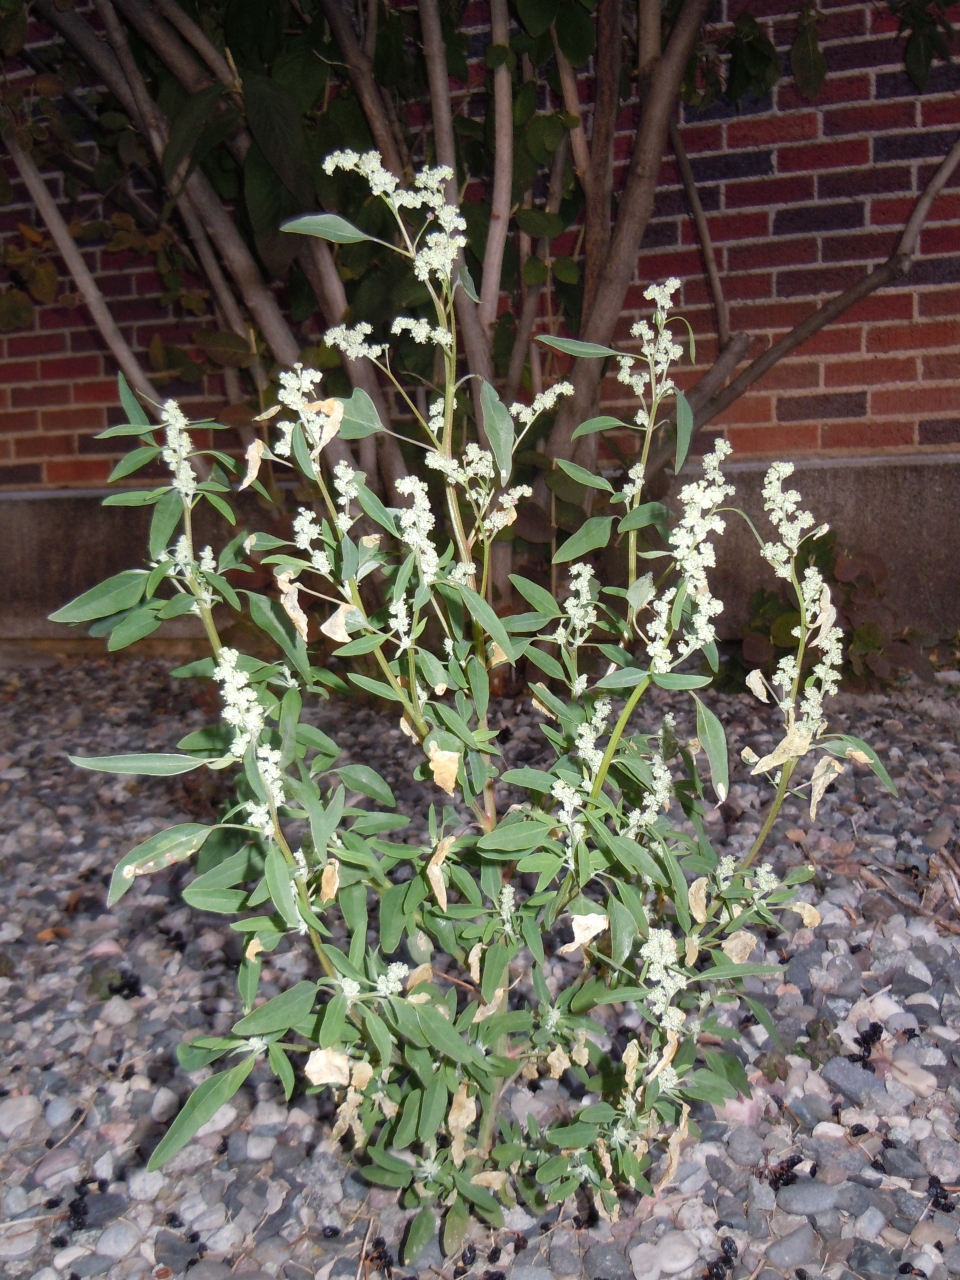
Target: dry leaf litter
[829,1168]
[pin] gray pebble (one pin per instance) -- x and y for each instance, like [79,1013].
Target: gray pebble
[852,1081]
[207,1269]
[852,1198]
[676,1252]
[794,1250]
[871,1261]
[103,1209]
[58,1111]
[940,1156]
[806,1197]
[604,1260]
[119,1239]
[528,1271]
[744,1147]
[951,1259]
[173,1251]
[91,1264]
[900,1163]
[829,1225]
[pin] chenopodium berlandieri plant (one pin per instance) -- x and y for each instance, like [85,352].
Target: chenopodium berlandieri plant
[425,1035]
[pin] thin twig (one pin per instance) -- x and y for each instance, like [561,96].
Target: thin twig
[87,286]
[571,104]
[877,883]
[363,1248]
[703,232]
[500,196]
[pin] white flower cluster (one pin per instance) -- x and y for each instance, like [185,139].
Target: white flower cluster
[767,882]
[657,349]
[391,982]
[351,989]
[422,331]
[353,342]
[786,517]
[441,249]
[474,472]
[416,523]
[634,485]
[297,393]
[660,950]
[589,732]
[428,188]
[542,403]
[177,450]
[241,708]
[381,181]
[693,553]
[579,608]
[570,805]
[659,797]
[505,515]
[508,897]
[305,532]
[345,483]
[829,640]
[400,624]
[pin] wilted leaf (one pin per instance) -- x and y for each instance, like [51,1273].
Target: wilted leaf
[808,914]
[697,898]
[738,946]
[793,746]
[827,769]
[435,865]
[330,880]
[254,455]
[327,1066]
[335,625]
[584,929]
[691,951]
[463,1113]
[444,766]
[755,684]
[290,600]
[807,62]
[558,1062]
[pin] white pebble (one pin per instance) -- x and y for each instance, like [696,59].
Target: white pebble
[145,1186]
[165,1105]
[16,1113]
[119,1239]
[117,1012]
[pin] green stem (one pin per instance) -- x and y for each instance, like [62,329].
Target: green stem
[617,734]
[775,807]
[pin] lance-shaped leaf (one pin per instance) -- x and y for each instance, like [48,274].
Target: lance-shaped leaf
[162,765]
[498,425]
[714,742]
[573,347]
[325,226]
[162,850]
[280,1013]
[584,477]
[684,430]
[122,591]
[202,1105]
[592,534]
[592,425]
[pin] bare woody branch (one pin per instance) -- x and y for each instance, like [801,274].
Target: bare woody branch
[703,233]
[197,38]
[73,258]
[608,61]
[571,104]
[500,198]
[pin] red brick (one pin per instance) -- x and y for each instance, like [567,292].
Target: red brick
[915,400]
[72,367]
[885,304]
[834,340]
[940,111]
[13,372]
[835,88]
[774,315]
[882,22]
[755,131]
[790,375]
[866,435]
[24,474]
[104,392]
[783,252]
[753,284]
[815,156]
[940,239]
[864,373]
[896,210]
[871,119]
[813,282]
[940,302]
[768,192]
[44,446]
[81,419]
[778,440]
[78,471]
[920,336]
[702,137]
[36,344]
[942,366]
[858,246]
[749,408]
[731,226]
[18,420]
[44,394]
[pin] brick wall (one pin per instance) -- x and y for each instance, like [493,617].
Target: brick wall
[800,199]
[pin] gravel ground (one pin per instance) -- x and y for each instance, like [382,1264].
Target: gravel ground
[828,1168]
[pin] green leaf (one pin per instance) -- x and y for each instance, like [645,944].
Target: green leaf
[134,498]
[277,874]
[277,129]
[529,779]
[593,425]
[684,430]
[498,425]
[133,627]
[576,33]
[148,766]
[360,417]
[592,534]
[455,1226]
[647,513]
[714,742]
[807,62]
[134,460]
[325,226]
[623,678]
[162,850]
[674,680]
[280,1013]
[132,406]
[538,223]
[537,15]
[419,1236]
[582,476]
[120,592]
[572,347]
[360,777]
[202,1105]
[515,837]
[484,614]
[282,1069]
[844,743]
[166,516]
[187,126]
[465,282]
[538,596]
[554,1168]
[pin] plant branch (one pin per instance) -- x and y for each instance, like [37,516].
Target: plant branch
[72,257]
[197,38]
[360,68]
[165,42]
[703,231]
[571,104]
[649,34]
[500,199]
[608,61]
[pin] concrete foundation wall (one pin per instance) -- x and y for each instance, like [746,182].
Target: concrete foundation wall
[906,509]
